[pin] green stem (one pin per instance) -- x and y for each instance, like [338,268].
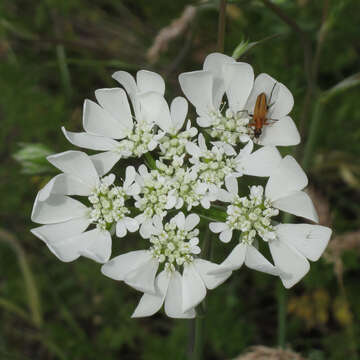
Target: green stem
[150,160]
[313,134]
[282,301]
[198,343]
[221,27]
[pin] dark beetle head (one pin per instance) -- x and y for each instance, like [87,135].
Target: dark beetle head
[257,133]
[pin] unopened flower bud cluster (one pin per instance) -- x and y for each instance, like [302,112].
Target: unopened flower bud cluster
[252,216]
[174,247]
[108,205]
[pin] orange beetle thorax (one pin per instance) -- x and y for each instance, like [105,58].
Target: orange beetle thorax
[260,112]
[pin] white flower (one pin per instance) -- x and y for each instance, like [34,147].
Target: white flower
[110,127]
[173,246]
[281,130]
[294,244]
[222,74]
[66,220]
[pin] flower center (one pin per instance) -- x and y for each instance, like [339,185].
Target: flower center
[137,142]
[175,145]
[231,128]
[214,166]
[252,215]
[108,205]
[155,195]
[174,246]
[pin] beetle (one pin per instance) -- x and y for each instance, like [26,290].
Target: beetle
[259,118]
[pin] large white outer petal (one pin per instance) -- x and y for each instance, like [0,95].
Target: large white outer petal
[105,161]
[204,267]
[239,79]
[256,261]
[127,81]
[193,288]
[97,121]
[197,87]
[150,304]
[118,267]
[57,208]
[281,99]
[215,63]
[64,184]
[94,244]
[282,132]
[291,264]
[116,103]
[299,204]
[155,110]
[174,299]
[150,81]
[88,141]
[53,233]
[309,240]
[77,164]
[142,278]
[287,178]
[178,110]
[261,162]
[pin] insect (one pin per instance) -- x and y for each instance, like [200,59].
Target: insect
[259,118]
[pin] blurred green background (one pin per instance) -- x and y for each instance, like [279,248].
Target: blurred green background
[53,54]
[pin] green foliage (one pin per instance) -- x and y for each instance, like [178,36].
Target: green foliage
[54,54]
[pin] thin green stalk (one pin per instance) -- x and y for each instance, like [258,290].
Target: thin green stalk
[221,27]
[199,332]
[64,70]
[150,160]
[281,301]
[313,135]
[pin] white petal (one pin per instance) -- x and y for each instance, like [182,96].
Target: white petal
[211,281]
[299,204]
[77,164]
[193,149]
[191,221]
[150,304]
[288,177]
[97,121]
[291,264]
[143,277]
[150,81]
[180,220]
[118,267]
[131,224]
[215,64]
[94,244]
[127,81]
[231,184]
[146,229]
[309,240]
[89,141]
[204,121]
[193,287]
[239,79]
[276,93]
[282,132]
[57,208]
[53,233]
[105,161]
[224,196]
[173,299]
[197,87]
[116,103]
[234,261]
[217,227]
[120,229]
[256,261]
[178,110]
[155,110]
[64,184]
[226,236]
[130,174]
[262,162]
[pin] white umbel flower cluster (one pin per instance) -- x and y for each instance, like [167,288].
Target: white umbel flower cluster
[188,177]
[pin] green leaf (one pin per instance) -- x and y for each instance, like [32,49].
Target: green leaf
[343,85]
